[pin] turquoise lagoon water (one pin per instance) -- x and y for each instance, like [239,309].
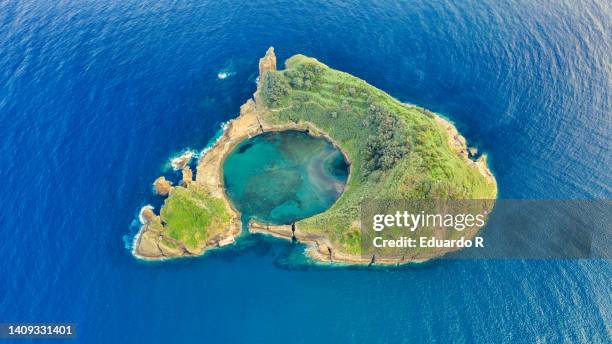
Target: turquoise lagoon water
[281,177]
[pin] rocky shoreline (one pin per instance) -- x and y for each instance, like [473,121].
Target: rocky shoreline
[459,144]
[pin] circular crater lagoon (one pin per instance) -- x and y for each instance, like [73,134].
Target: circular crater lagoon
[281,177]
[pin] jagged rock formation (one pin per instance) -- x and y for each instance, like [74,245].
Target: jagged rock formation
[267,63]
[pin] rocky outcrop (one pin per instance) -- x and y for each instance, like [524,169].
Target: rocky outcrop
[226,241]
[187,176]
[162,186]
[267,63]
[146,245]
[147,216]
[472,152]
[182,161]
[146,241]
[170,248]
[151,242]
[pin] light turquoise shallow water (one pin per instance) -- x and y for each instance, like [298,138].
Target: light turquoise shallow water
[281,177]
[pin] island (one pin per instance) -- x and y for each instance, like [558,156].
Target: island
[393,151]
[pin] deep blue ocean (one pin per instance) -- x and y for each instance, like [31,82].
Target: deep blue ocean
[96,96]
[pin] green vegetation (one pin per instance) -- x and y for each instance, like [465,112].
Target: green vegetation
[305,77]
[387,144]
[275,87]
[191,216]
[397,151]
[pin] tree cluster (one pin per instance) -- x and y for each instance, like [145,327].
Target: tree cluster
[387,143]
[305,77]
[275,87]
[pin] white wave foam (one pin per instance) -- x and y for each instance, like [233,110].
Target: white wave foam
[213,140]
[130,239]
[183,159]
[225,73]
[140,217]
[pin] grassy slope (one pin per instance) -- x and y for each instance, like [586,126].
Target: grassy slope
[337,105]
[191,216]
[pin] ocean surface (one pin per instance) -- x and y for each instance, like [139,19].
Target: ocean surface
[97,96]
[282,177]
